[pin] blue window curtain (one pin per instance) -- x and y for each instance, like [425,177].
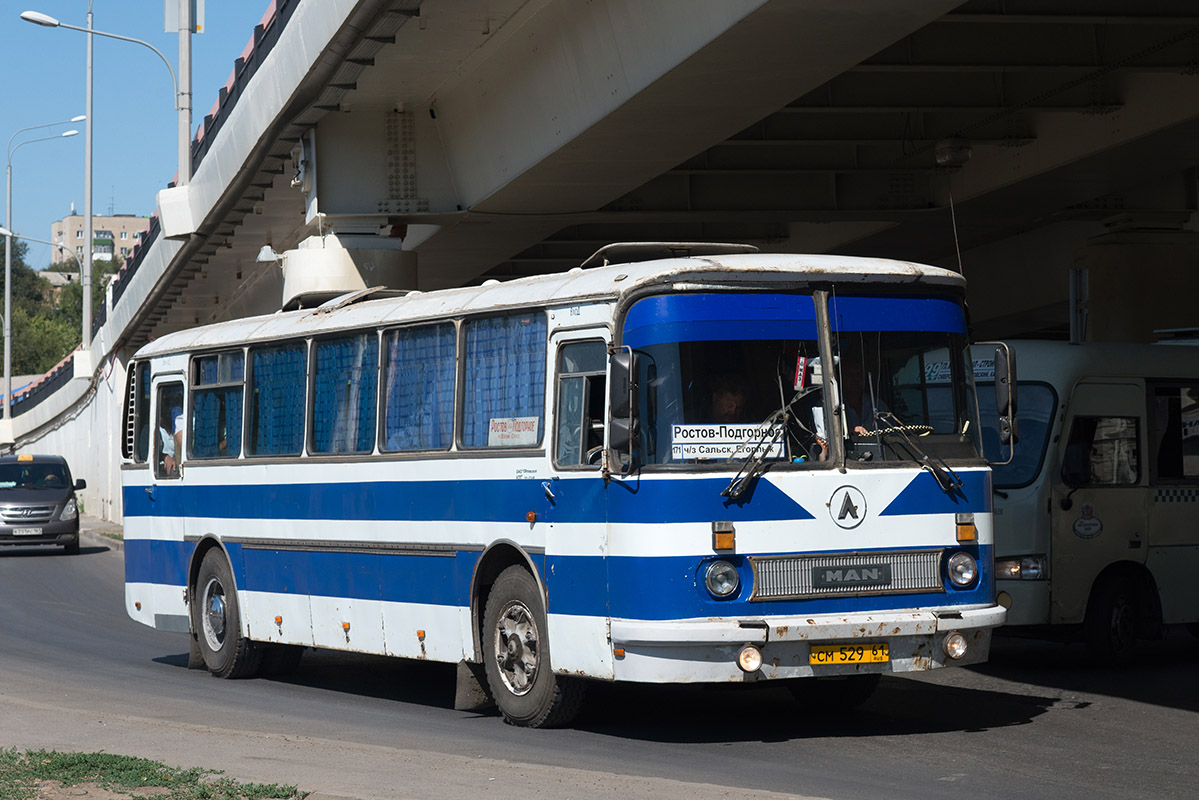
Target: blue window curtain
[420,389]
[344,392]
[505,373]
[277,385]
[216,423]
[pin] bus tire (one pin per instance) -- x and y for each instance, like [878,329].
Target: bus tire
[216,621]
[516,656]
[1113,615]
[834,693]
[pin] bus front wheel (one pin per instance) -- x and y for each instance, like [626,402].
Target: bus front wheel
[216,621]
[1112,619]
[516,656]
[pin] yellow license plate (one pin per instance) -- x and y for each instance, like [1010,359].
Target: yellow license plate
[868,653]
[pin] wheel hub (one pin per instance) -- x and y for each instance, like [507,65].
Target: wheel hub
[517,648]
[214,614]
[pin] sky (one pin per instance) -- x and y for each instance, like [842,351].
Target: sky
[135,125]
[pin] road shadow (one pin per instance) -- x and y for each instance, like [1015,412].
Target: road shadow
[687,713]
[48,550]
[769,713]
[1162,672]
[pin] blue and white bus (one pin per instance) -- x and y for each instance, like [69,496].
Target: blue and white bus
[717,466]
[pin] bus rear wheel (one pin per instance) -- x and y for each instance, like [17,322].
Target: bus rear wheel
[216,621]
[516,656]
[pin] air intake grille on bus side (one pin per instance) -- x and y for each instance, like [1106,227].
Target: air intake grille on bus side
[846,574]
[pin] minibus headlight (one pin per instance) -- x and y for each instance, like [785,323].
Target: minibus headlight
[721,579]
[963,569]
[1023,568]
[69,511]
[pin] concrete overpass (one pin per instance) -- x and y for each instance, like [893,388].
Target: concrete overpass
[432,143]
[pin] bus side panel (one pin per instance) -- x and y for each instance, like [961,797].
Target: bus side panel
[576,578]
[1174,570]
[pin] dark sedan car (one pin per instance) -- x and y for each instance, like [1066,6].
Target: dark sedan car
[37,502]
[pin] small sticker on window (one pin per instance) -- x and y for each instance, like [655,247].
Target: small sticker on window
[512,431]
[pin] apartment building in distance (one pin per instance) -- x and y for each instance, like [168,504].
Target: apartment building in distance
[112,237]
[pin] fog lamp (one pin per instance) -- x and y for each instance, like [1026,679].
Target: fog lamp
[750,658]
[955,645]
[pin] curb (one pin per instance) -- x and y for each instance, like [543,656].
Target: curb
[92,530]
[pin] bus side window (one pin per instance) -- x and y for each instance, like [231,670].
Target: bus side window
[1102,451]
[582,386]
[169,431]
[142,443]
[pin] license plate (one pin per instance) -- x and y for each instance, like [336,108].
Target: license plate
[26,531]
[870,653]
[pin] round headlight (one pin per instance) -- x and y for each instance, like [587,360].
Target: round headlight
[750,658]
[955,645]
[963,569]
[721,578]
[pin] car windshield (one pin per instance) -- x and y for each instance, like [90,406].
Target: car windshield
[737,375]
[1034,419]
[33,476]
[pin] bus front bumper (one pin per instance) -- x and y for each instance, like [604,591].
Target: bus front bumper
[707,650]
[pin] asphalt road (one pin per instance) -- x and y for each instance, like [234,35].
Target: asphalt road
[1039,720]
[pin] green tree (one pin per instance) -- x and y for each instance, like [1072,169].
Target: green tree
[43,329]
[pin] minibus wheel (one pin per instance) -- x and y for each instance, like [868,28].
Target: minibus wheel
[516,656]
[216,621]
[1113,615]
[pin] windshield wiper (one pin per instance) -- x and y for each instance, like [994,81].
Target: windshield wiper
[946,478]
[773,429]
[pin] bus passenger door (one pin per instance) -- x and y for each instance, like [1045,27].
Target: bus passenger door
[576,543]
[1100,499]
[1173,557]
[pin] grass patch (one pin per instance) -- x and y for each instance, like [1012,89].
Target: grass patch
[23,772]
[118,537]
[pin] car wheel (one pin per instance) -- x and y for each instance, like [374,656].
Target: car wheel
[71,548]
[216,621]
[516,656]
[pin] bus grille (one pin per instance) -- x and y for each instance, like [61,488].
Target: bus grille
[846,574]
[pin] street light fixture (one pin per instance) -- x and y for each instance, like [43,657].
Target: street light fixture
[7,411]
[182,104]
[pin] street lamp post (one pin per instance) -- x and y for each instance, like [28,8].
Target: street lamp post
[7,411]
[182,105]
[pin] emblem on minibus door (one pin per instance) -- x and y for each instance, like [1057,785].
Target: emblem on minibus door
[847,507]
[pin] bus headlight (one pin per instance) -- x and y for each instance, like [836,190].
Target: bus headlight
[721,579]
[1022,568]
[963,569]
[69,511]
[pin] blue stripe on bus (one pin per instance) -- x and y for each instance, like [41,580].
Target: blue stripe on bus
[576,500]
[925,496]
[719,317]
[896,314]
[626,587]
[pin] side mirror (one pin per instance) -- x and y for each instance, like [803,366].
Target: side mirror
[80,483]
[622,403]
[1005,394]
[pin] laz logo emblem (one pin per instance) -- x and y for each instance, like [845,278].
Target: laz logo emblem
[848,507]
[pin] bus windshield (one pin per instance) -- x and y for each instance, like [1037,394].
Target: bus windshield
[730,376]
